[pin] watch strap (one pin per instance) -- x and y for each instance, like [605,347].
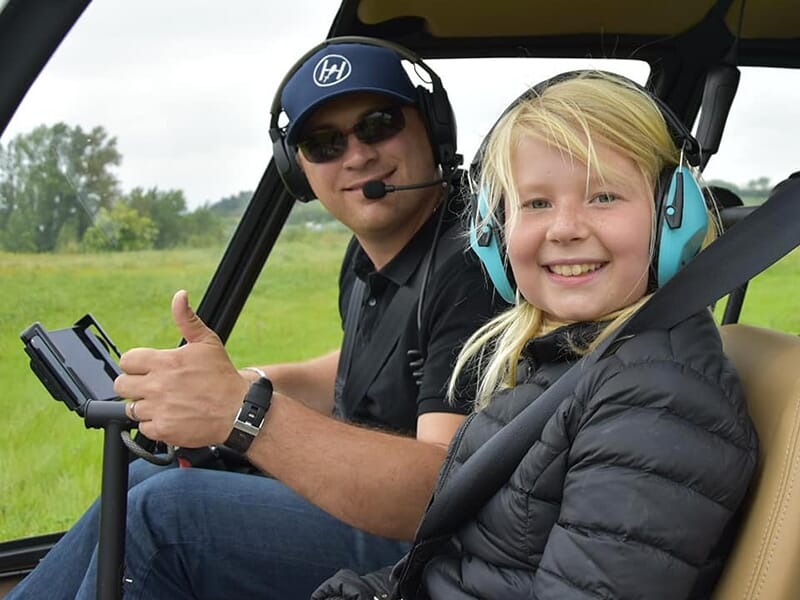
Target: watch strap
[250,418]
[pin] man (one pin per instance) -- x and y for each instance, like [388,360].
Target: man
[352,463]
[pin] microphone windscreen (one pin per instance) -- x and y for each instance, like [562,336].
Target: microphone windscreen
[374,190]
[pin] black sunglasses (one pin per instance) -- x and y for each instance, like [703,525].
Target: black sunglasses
[326,145]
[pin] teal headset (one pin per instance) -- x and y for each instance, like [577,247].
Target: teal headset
[682,217]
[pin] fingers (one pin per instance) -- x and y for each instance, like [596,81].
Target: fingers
[189,324]
[139,361]
[131,411]
[137,410]
[139,369]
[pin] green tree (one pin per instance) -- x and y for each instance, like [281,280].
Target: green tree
[204,227]
[54,176]
[232,206]
[165,209]
[122,228]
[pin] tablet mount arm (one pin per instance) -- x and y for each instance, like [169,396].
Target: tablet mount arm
[77,368]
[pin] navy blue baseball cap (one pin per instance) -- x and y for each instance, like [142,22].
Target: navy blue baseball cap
[341,69]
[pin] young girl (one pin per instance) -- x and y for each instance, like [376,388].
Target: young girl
[633,487]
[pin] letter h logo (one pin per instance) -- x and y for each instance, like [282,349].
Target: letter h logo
[331,69]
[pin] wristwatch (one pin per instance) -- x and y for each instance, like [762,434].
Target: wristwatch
[250,419]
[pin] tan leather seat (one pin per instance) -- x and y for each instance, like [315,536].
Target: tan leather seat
[765,562]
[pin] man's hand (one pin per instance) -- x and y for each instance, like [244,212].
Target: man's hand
[186,396]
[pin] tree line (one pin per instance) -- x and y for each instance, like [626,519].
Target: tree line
[58,194]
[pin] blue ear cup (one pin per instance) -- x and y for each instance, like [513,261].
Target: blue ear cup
[683,224]
[485,243]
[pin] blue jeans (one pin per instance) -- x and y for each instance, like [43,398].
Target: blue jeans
[198,533]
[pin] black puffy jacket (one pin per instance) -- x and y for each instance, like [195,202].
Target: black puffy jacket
[633,487]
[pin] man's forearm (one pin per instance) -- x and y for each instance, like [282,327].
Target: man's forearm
[369,479]
[310,382]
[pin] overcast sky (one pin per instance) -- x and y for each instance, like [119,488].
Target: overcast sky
[185,87]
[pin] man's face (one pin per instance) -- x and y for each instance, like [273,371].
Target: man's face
[402,159]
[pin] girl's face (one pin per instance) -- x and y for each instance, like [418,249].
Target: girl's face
[580,246]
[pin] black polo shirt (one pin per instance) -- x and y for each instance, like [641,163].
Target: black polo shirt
[457,299]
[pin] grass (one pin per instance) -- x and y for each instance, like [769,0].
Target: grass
[772,297]
[50,464]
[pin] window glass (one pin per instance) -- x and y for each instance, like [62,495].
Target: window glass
[481,89]
[122,175]
[758,147]
[758,150]
[117,177]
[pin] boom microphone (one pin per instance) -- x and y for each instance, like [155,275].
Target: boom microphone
[374,190]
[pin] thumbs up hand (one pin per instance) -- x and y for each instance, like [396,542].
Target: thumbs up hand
[190,326]
[185,396]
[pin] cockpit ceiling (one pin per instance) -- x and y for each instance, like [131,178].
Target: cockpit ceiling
[760,19]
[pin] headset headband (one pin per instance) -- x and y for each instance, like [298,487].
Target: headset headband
[681,134]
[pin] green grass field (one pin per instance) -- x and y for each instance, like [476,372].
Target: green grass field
[50,464]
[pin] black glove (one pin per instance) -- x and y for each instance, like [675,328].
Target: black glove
[347,585]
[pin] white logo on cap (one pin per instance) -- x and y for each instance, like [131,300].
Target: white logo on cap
[332,69]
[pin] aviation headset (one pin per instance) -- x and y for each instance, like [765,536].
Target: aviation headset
[437,115]
[681,222]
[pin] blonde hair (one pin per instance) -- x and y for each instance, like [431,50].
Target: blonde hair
[573,116]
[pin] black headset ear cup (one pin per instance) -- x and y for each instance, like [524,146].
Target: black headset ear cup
[437,114]
[289,169]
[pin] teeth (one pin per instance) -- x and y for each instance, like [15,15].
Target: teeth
[574,270]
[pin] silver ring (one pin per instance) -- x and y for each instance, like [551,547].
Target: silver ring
[133,411]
